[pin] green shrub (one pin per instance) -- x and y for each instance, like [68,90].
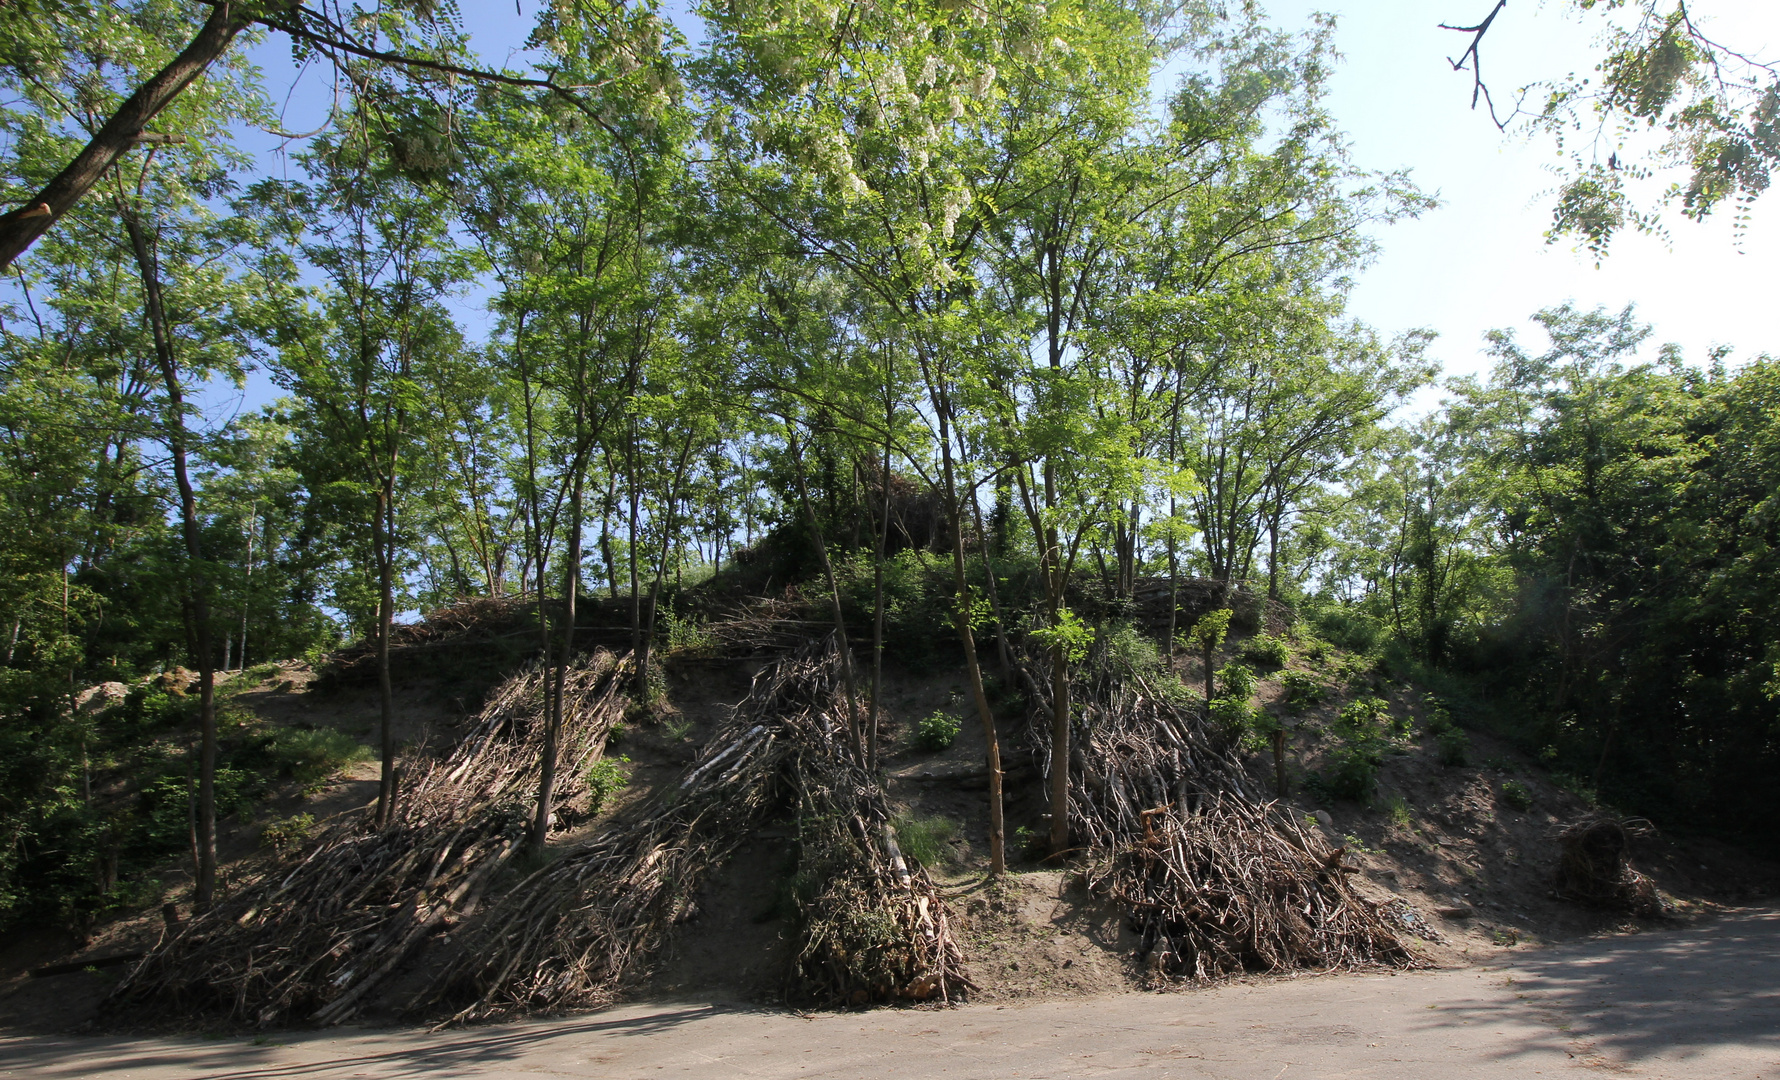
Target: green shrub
[926,841]
[1576,786]
[1515,794]
[1267,650]
[937,732]
[605,778]
[313,756]
[1347,627]
[1453,746]
[1303,690]
[1231,710]
[288,835]
[1353,773]
[1130,651]
[166,805]
[685,635]
[1363,718]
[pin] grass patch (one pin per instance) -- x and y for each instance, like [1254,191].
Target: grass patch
[926,840]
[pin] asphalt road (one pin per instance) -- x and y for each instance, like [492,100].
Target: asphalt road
[1702,1002]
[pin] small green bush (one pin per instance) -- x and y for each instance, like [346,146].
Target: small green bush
[1577,786]
[1231,710]
[286,836]
[1363,718]
[1267,650]
[1515,794]
[605,778]
[685,635]
[1303,690]
[312,757]
[926,840]
[1453,746]
[937,732]
[1130,651]
[1347,627]
[1353,773]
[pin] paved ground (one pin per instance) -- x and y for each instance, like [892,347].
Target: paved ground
[1701,1003]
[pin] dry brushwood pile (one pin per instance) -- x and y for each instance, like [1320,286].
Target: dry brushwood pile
[1594,866]
[311,942]
[1215,881]
[577,932]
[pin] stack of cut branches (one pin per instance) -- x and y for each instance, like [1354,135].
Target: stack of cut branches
[1215,881]
[577,932]
[765,626]
[1595,866]
[311,942]
[872,927]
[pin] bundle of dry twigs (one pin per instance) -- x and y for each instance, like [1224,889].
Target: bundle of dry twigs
[1214,880]
[872,927]
[578,931]
[1595,867]
[311,942]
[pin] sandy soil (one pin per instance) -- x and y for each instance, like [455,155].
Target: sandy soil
[1678,1005]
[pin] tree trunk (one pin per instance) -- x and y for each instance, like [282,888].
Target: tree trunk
[203,888]
[1004,653]
[834,594]
[961,619]
[553,723]
[877,632]
[639,645]
[383,540]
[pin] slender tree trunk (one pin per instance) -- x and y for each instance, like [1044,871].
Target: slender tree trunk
[246,595]
[553,725]
[1003,652]
[606,506]
[961,620]
[383,539]
[834,593]
[639,644]
[197,581]
[1173,584]
[877,615]
[1279,760]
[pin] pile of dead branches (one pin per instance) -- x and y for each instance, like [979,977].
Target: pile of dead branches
[311,941]
[871,926]
[763,626]
[577,932]
[1214,880]
[1595,866]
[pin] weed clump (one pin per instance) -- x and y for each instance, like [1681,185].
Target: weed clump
[286,836]
[1450,741]
[1303,690]
[937,732]
[605,778]
[1267,650]
[1515,794]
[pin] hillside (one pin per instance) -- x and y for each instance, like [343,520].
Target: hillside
[1456,839]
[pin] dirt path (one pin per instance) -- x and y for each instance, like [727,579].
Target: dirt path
[1699,1003]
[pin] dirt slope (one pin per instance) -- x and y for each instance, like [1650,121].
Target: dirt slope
[1437,838]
